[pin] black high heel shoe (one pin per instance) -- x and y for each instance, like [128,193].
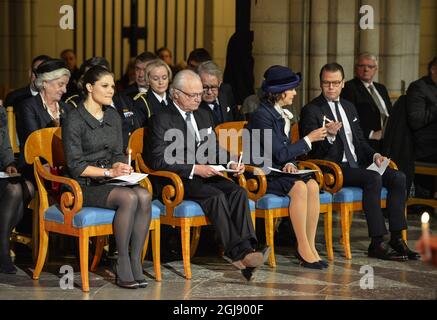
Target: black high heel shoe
[124,284]
[309,265]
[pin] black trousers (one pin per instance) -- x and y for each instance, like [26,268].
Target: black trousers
[227,207]
[372,182]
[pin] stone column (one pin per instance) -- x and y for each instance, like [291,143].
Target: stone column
[428,34]
[400,44]
[270,24]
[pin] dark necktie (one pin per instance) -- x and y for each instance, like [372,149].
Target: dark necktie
[381,109]
[217,111]
[349,157]
[163,104]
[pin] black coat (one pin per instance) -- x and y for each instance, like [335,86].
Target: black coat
[31,116]
[15,97]
[146,105]
[422,117]
[311,118]
[368,112]
[227,104]
[6,153]
[155,145]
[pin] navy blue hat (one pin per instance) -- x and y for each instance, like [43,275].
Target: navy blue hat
[278,79]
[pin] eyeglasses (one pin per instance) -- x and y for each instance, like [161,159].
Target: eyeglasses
[335,84]
[191,95]
[370,66]
[212,88]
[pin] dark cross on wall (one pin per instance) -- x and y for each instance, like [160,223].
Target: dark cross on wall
[133,32]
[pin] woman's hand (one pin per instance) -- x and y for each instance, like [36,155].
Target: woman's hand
[318,134]
[120,169]
[290,168]
[240,168]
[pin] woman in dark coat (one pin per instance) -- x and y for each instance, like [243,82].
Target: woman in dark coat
[92,139]
[15,195]
[279,90]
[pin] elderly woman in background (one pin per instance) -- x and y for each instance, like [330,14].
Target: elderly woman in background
[45,109]
[158,76]
[15,195]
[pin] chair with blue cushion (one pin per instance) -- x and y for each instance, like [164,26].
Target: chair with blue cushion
[185,214]
[270,207]
[347,200]
[66,217]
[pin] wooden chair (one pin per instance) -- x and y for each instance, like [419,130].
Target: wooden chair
[185,214]
[67,217]
[346,200]
[12,129]
[270,207]
[428,169]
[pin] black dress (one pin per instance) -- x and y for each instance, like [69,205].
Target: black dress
[89,142]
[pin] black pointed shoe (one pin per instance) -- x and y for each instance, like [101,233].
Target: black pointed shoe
[310,265]
[401,247]
[384,252]
[323,263]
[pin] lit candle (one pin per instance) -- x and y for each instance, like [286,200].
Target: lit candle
[425,236]
[324,120]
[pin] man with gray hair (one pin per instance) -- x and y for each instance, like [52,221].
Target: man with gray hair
[217,97]
[370,98]
[224,202]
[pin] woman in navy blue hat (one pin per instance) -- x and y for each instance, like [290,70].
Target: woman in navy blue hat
[278,92]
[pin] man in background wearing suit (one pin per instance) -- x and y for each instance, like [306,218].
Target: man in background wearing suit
[217,97]
[347,146]
[225,203]
[370,98]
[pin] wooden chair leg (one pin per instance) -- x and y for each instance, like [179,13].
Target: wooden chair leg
[185,239]
[83,256]
[146,244]
[156,250]
[195,240]
[270,236]
[345,230]
[35,227]
[404,232]
[42,253]
[328,233]
[100,243]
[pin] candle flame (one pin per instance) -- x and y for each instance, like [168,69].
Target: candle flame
[425,217]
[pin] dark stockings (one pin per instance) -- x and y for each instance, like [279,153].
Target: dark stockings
[131,224]
[12,203]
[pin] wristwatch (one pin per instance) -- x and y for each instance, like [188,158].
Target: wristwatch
[107,173]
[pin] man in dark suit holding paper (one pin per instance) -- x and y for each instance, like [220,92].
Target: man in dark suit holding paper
[347,146]
[188,129]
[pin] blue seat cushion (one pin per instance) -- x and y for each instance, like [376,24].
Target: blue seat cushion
[272,201]
[89,216]
[190,209]
[353,194]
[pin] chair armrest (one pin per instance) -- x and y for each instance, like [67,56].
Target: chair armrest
[70,203]
[172,195]
[332,175]
[256,187]
[393,165]
[312,166]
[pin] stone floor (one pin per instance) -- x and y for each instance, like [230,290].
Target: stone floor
[213,278]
